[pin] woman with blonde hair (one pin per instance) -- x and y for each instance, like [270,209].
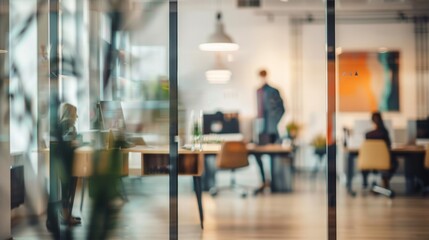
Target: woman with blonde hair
[67,117]
[67,120]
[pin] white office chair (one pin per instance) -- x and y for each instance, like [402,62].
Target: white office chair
[374,155]
[233,155]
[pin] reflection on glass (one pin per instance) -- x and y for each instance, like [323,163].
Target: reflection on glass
[91,55]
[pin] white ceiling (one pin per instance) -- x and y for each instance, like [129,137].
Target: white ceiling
[347,9]
[346,5]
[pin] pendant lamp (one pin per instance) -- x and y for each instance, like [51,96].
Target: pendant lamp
[219,74]
[219,41]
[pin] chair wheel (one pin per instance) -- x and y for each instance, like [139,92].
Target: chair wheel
[351,193]
[213,192]
[243,194]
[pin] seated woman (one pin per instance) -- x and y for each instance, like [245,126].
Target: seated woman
[380,132]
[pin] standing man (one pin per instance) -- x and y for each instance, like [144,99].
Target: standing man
[270,111]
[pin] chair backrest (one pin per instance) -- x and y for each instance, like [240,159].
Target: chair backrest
[233,154]
[82,162]
[374,155]
[427,157]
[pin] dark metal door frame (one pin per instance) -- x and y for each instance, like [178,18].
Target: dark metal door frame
[331,102]
[173,118]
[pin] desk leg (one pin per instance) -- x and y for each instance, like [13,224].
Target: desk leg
[208,179]
[350,173]
[273,186]
[197,187]
[412,166]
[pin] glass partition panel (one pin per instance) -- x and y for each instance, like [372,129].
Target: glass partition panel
[5,163]
[91,117]
[278,189]
[382,103]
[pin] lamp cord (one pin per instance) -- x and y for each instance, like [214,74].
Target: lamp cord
[219,13]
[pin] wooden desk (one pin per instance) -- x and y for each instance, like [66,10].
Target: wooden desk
[269,149]
[282,165]
[279,155]
[413,155]
[155,161]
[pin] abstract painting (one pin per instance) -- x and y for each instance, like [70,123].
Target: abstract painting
[368,81]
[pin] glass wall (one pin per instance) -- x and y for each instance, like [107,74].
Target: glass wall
[119,121]
[380,72]
[89,98]
[277,57]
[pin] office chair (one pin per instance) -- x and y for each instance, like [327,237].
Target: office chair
[233,155]
[374,156]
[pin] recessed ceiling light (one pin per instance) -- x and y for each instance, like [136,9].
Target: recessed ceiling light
[284,0]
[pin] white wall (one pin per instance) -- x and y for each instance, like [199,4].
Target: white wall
[263,44]
[368,37]
[392,36]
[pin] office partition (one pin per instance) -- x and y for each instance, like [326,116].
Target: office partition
[118,110]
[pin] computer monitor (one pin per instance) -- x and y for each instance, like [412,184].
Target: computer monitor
[112,116]
[418,130]
[362,126]
[221,123]
[422,131]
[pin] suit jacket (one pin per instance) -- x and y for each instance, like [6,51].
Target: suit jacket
[270,108]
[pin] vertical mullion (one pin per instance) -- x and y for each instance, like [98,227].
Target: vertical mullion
[5,163]
[173,119]
[331,112]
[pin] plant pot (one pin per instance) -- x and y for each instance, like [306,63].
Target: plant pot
[320,151]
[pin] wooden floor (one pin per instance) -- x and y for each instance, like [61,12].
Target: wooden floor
[298,215]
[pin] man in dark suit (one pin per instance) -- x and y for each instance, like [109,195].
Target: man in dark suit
[270,111]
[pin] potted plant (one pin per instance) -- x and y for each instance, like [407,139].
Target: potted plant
[292,129]
[319,144]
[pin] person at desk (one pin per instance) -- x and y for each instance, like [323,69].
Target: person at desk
[270,111]
[67,120]
[380,132]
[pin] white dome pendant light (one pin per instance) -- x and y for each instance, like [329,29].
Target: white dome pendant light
[219,41]
[219,74]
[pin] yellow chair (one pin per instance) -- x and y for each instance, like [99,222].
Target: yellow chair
[374,155]
[233,155]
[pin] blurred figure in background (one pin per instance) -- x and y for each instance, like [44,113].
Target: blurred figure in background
[67,119]
[380,132]
[270,111]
